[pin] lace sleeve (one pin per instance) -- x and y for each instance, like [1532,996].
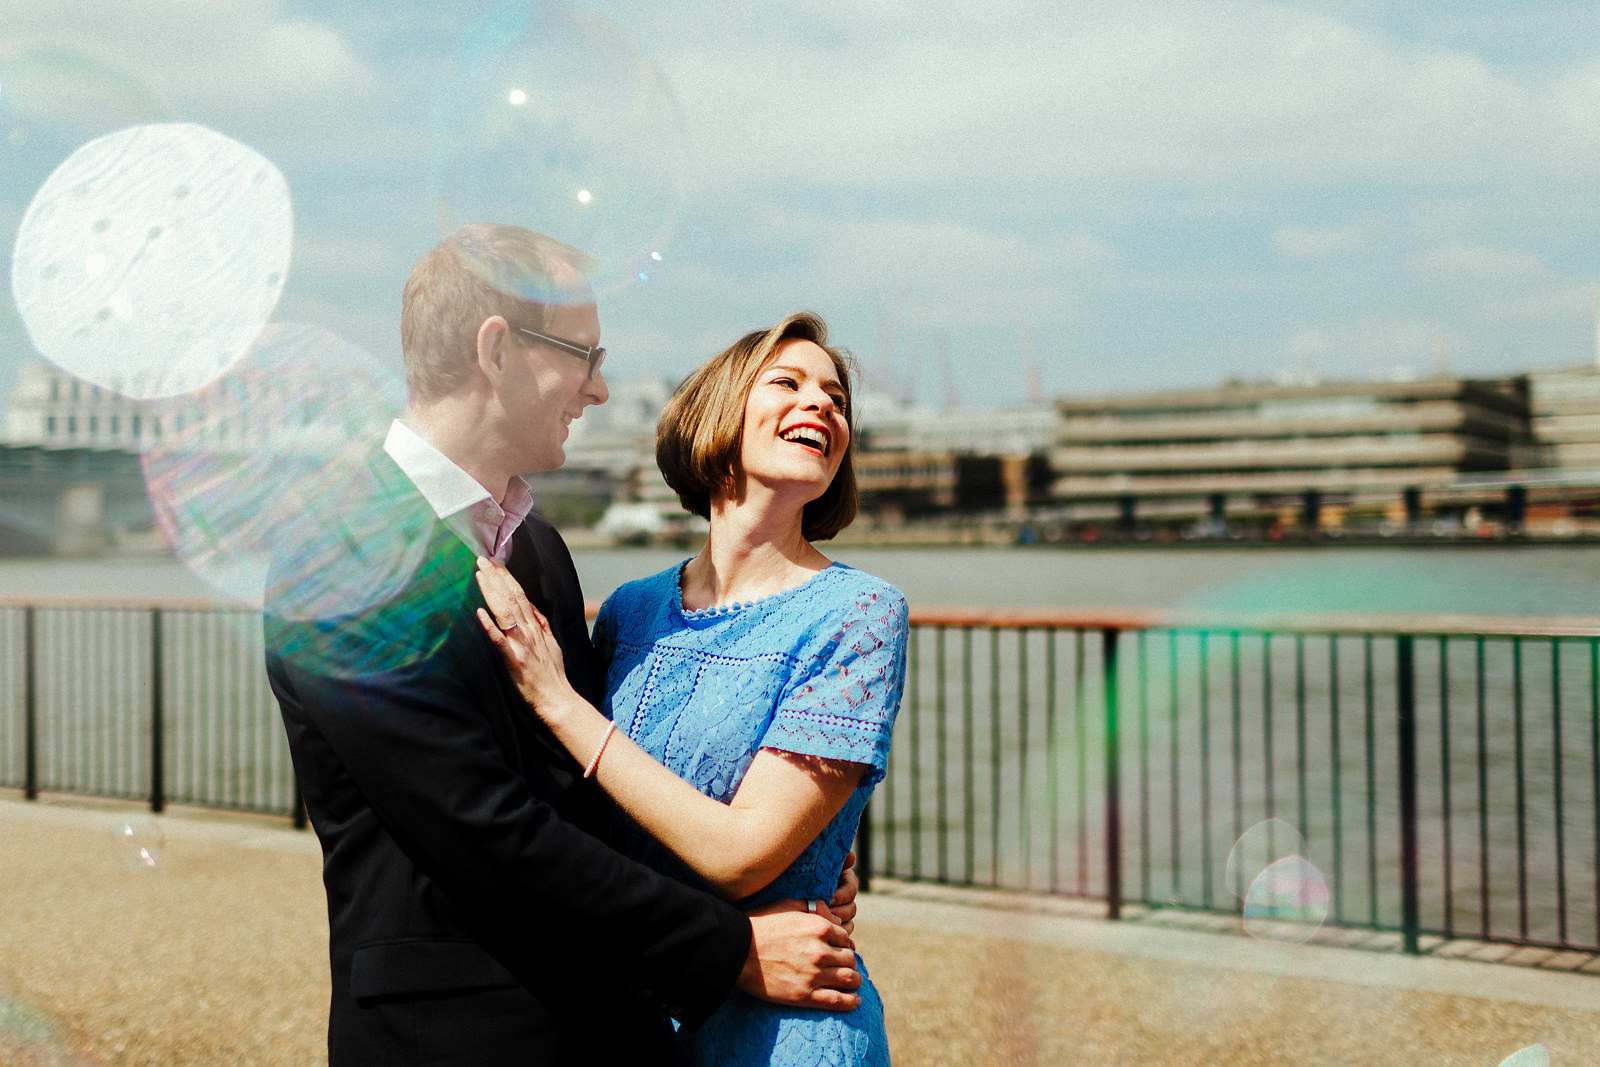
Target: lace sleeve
[845,708]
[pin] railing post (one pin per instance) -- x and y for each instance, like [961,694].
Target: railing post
[1406,701]
[30,704]
[158,782]
[1108,666]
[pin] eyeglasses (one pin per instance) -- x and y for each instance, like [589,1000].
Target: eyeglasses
[594,356]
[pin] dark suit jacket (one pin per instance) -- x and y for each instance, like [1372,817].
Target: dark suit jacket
[474,916]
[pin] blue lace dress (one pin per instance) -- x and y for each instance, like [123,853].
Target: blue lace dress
[816,670]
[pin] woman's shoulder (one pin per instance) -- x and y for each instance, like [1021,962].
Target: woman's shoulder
[865,587]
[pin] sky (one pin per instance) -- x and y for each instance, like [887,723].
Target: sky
[988,203]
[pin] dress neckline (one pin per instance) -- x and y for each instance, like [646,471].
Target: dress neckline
[739,605]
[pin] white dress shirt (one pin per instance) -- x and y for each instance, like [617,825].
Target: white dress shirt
[465,506]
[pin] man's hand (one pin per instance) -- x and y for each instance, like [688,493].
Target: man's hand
[843,904]
[800,960]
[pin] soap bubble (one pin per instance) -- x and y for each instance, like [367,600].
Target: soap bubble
[1287,902]
[137,842]
[1258,848]
[548,117]
[151,258]
[266,455]
[1532,1056]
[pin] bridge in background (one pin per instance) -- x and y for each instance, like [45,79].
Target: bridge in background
[69,501]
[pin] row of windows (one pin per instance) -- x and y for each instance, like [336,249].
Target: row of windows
[56,425]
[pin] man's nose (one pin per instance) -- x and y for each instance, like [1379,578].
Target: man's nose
[595,389]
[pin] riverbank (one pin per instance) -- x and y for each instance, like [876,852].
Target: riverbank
[218,955]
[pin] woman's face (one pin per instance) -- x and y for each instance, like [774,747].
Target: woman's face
[795,426]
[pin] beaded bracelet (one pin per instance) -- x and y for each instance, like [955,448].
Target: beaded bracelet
[589,770]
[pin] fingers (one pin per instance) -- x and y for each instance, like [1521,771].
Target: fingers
[506,599]
[833,1000]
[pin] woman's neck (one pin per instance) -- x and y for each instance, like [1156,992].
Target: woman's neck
[753,550]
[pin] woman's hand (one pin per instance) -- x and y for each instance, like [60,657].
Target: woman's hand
[523,637]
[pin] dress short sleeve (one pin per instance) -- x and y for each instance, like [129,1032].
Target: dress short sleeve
[845,708]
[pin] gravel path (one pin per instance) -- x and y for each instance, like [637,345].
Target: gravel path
[217,956]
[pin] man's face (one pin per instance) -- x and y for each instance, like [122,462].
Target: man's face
[546,388]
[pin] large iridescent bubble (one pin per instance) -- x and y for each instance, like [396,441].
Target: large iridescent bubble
[150,259]
[261,480]
[548,117]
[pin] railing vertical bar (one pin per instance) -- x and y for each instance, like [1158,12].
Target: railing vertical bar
[942,802]
[1175,815]
[1594,766]
[1024,820]
[1337,785]
[1081,715]
[1268,748]
[1235,719]
[1205,770]
[1484,923]
[916,754]
[969,815]
[1052,758]
[1406,701]
[1142,665]
[994,756]
[30,703]
[1301,812]
[158,781]
[1447,831]
[1555,768]
[1113,828]
[1372,783]
[1522,795]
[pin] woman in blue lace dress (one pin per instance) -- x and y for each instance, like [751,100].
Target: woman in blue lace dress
[750,691]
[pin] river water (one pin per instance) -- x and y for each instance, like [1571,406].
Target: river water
[1524,580]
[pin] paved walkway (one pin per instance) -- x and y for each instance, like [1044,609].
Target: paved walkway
[216,955]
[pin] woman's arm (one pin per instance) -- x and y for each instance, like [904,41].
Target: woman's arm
[783,802]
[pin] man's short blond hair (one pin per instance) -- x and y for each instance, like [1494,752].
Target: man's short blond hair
[701,430]
[479,270]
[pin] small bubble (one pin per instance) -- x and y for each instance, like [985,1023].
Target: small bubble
[153,232]
[180,192]
[101,225]
[137,842]
[1259,848]
[1287,903]
[643,277]
[1532,1056]
[274,278]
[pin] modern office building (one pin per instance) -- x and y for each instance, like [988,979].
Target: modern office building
[1316,451]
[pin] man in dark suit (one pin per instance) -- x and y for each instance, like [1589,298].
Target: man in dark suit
[475,914]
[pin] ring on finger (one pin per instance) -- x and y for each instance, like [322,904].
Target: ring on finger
[811,906]
[508,629]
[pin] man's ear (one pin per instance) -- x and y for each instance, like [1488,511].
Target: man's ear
[494,342]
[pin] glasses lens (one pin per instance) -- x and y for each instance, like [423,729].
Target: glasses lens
[596,357]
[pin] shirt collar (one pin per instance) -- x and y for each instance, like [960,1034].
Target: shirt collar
[457,498]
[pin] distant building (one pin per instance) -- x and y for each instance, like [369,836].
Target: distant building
[53,409]
[1565,408]
[1318,447]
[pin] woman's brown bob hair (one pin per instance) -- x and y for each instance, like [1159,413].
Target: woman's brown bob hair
[702,427]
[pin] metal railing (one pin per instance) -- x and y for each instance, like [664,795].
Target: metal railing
[1444,780]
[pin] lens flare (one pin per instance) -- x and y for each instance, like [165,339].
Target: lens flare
[549,117]
[137,842]
[150,259]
